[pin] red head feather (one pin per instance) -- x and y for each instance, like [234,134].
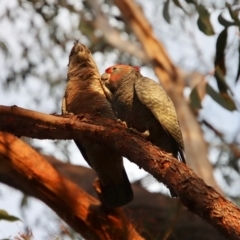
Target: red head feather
[122,66]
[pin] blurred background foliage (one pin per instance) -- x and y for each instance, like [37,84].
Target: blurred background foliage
[201,37]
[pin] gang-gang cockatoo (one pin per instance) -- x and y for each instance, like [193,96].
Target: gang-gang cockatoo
[84,94]
[145,106]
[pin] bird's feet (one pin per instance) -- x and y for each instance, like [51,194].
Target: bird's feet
[122,122]
[67,113]
[144,134]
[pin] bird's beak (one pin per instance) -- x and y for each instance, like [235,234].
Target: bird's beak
[105,77]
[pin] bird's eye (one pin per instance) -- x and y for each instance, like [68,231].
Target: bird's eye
[114,68]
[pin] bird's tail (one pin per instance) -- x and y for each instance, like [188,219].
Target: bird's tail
[117,195]
[181,156]
[116,189]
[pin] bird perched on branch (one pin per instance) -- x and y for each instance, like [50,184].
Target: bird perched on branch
[84,94]
[145,106]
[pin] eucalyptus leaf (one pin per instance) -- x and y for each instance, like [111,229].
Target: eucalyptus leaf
[177,3]
[191,1]
[234,14]
[224,22]
[221,82]
[220,52]
[166,11]
[195,100]
[4,47]
[222,99]
[203,21]
[5,216]
[238,72]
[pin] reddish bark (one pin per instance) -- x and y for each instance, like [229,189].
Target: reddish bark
[30,172]
[193,192]
[155,215]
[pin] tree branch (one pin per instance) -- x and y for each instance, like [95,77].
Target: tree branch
[27,170]
[193,192]
[160,213]
[233,147]
[112,36]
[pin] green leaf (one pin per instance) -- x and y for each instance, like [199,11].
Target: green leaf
[166,11]
[203,21]
[177,3]
[224,22]
[220,49]
[5,216]
[191,1]
[3,46]
[233,14]
[222,99]
[195,100]
[220,68]
[238,72]
[221,82]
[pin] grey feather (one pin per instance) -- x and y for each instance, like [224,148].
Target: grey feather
[152,95]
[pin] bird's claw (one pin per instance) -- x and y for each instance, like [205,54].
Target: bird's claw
[144,134]
[67,113]
[122,122]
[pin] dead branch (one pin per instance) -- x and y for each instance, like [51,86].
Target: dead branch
[193,192]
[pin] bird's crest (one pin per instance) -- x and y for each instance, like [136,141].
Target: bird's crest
[122,66]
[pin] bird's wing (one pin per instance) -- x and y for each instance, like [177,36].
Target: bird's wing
[153,96]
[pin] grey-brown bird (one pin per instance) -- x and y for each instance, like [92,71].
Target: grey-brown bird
[84,94]
[145,106]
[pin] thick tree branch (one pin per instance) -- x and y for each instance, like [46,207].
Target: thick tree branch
[193,192]
[29,171]
[173,84]
[160,210]
[160,213]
